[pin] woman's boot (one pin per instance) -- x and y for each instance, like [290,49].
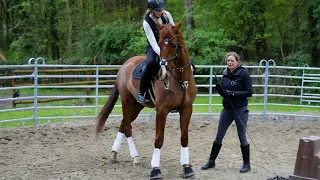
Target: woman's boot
[246,159]
[213,155]
[143,87]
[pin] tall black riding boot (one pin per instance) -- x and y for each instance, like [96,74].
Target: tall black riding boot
[246,159]
[213,155]
[143,87]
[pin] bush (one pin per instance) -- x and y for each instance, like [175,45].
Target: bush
[107,44]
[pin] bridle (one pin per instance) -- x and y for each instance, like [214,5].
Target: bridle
[164,65]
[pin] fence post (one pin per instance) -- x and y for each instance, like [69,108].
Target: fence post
[97,90]
[35,94]
[265,99]
[302,82]
[266,83]
[14,94]
[88,89]
[266,79]
[60,79]
[210,91]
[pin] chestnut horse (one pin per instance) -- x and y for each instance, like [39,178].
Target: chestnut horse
[174,89]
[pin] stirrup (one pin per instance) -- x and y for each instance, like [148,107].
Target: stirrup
[142,98]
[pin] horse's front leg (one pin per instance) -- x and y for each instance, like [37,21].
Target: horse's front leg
[185,116]
[161,118]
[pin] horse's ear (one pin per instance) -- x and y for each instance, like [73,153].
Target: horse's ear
[177,26]
[158,24]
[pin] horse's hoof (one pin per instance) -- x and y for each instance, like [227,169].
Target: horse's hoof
[156,174]
[187,172]
[136,162]
[112,161]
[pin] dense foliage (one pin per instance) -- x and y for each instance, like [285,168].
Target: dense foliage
[108,32]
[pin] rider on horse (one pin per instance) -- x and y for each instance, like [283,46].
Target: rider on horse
[177,92]
[156,11]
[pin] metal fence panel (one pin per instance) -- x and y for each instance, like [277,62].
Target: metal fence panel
[261,73]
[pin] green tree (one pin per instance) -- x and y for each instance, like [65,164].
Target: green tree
[108,44]
[284,30]
[314,20]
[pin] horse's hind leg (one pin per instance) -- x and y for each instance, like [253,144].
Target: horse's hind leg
[185,115]
[116,147]
[131,110]
[136,108]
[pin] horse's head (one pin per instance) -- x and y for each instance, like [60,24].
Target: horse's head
[174,54]
[169,41]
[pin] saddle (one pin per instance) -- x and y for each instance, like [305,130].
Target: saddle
[137,73]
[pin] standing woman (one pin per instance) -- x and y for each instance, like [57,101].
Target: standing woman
[156,10]
[235,87]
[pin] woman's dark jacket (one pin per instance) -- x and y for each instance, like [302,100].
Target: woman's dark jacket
[236,86]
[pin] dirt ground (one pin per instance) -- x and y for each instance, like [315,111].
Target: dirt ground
[71,151]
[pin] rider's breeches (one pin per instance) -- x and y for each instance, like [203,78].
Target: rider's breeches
[151,69]
[240,115]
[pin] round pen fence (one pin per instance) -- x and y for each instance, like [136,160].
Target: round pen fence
[39,93]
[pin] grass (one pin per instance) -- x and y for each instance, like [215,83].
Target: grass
[117,110]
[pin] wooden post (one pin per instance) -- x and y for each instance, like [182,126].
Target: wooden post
[308,159]
[60,63]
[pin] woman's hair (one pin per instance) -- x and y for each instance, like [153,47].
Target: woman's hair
[148,11]
[236,55]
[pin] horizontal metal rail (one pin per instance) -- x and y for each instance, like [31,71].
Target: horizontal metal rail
[36,72]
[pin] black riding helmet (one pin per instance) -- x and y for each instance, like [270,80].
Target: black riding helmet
[157,5]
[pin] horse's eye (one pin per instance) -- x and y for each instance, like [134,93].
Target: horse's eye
[173,45]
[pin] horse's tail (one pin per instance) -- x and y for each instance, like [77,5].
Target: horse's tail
[107,108]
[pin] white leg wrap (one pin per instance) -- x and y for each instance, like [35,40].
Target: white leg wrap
[155,162]
[184,156]
[132,147]
[117,142]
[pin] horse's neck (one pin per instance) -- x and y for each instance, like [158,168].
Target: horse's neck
[184,62]
[183,56]
[184,52]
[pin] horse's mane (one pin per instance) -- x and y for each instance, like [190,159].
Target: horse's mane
[2,56]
